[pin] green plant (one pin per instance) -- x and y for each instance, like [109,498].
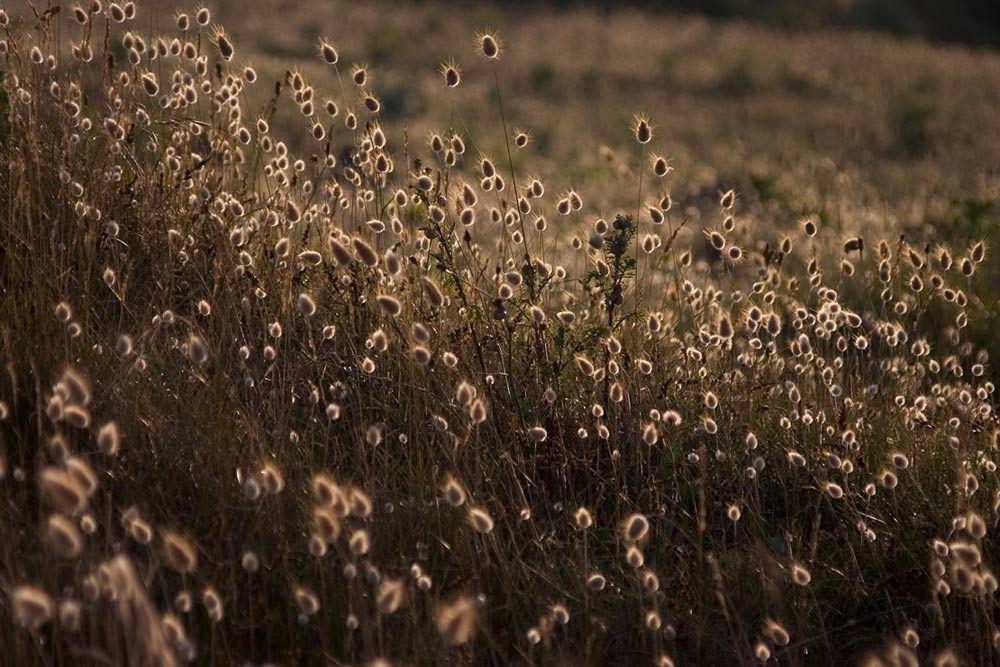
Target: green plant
[912,112]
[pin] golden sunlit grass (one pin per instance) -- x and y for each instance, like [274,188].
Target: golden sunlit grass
[353,397]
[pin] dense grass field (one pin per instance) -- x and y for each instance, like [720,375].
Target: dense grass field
[390,334]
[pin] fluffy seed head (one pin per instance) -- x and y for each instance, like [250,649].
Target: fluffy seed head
[456,621]
[225,46]
[390,596]
[488,45]
[109,439]
[328,52]
[250,562]
[777,634]
[390,305]
[179,553]
[538,433]
[433,292]
[306,305]
[213,604]
[70,613]
[197,350]
[635,527]
[642,129]
[32,606]
[62,490]
[452,73]
[480,520]
[800,575]
[63,537]
[305,600]
[453,492]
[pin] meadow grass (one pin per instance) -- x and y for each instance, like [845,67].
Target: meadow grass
[366,397]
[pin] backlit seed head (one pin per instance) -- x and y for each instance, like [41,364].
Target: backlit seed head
[761,652]
[213,604]
[796,459]
[70,614]
[225,46]
[778,635]
[272,479]
[326,491]
[800,575]
[305,600]
[456,621]
[477,411]
[64,313]
[975,525]
[179,553]
[62,490]
[390,596]
[359,502]
[252,487]
[465,393]
[453,492]
[140,531]
[250,562]
[32,607]
[480,520]
[833,490]
[451,72]
[642,128]
[359,543]
[359,74]
[596,582]
[184,602]
[328,52]
[63,537]
[341,255]
[433,292]
[74,388]
[559,614]
[421,355]
[76,416]
[538,433]
[488,45]
[390,305]
[197,350]
[80,471]
[306,305]
[635,527]
[109,439]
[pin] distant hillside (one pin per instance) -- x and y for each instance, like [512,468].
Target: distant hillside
[973,22]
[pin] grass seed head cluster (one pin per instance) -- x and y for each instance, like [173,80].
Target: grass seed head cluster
[356,398]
